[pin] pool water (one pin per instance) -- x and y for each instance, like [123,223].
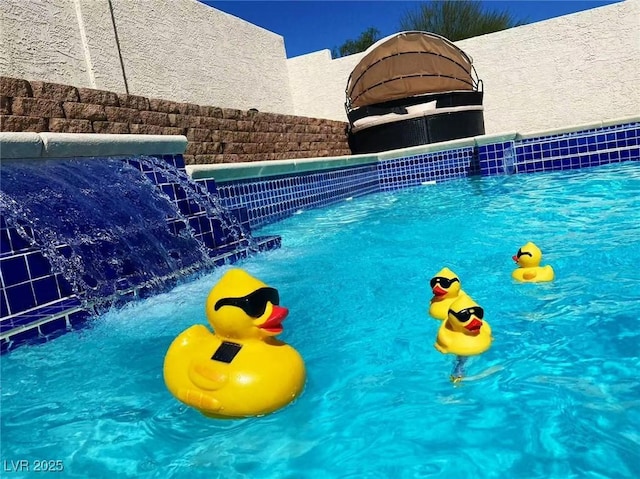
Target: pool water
[556,396]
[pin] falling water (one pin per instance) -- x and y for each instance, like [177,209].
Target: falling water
[232,230]
[508,161]
[105,225]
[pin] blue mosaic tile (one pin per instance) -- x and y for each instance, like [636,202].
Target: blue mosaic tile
[272,198]
[15,270]
[54,328]
[61,307]
[6,325]
[30,282]
[179,193]
[211,187]
[176,161]
[63,286]
[501,159]
[46,290]
[18,243]
[24,336]
[151,175]
[169,190]
[39,266]
[567,151]
[194,224]
[4,308]
[5,242]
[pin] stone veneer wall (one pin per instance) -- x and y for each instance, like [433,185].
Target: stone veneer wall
[215,135]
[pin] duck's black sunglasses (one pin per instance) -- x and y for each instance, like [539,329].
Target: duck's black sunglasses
[522,253]
[254,304]
[464,315]
[444,282]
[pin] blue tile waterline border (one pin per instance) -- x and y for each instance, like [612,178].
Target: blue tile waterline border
[272,191]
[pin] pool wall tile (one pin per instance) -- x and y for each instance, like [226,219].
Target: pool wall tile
[496,159]
[427,168]
[577,149]
[265,200]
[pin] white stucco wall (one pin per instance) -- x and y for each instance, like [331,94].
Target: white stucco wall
[564,71]
[569,70]
[186,51]
[43,40]
[318,84]
[99,45]
[180,50]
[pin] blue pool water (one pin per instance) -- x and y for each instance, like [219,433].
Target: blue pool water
[557,395]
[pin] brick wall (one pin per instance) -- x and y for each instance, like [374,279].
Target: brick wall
[216,135]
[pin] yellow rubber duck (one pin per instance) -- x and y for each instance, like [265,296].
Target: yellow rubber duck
[528,258]
[464,333]
[446,289]
[240,369]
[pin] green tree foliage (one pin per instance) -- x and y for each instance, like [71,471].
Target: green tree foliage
[457,19]
[360,44]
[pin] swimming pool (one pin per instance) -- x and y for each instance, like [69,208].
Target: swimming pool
[555,397]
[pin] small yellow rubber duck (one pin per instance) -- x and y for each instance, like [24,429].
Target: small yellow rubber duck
[464,333]
[446,288]
[528,259]
[240,369]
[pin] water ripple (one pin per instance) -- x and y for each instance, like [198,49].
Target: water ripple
[556,396]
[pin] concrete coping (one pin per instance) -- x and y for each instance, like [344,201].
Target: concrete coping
[68,145]
[260,169]
[20,145]
[585,126]
[428,148]
[495,138]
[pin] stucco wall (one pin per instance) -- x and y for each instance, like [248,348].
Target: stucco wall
[42,40]
[565,71]
[181,50]
[570,70]
[190,52]
[318,83]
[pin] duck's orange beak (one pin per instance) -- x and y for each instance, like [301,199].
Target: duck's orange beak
[474,326]
[515,258]
[438,291]
[273,323]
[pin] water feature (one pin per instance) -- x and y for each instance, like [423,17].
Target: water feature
[93,232]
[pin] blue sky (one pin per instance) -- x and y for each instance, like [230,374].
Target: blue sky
[309,26]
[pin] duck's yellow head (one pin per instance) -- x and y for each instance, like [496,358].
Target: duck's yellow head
[242,307]
[445,284]
[528,256]
[465,316]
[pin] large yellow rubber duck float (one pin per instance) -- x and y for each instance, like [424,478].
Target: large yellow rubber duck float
[464,333]
[446,289]
[240,369]
[529,270]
